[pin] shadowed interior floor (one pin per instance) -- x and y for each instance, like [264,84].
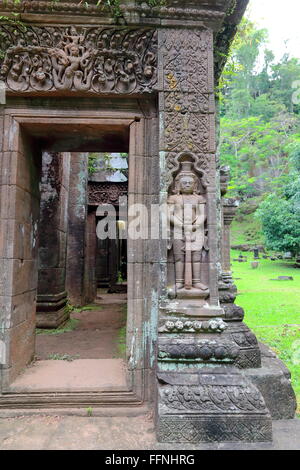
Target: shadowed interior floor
[96,336]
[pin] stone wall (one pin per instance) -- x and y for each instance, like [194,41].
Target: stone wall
[19,213]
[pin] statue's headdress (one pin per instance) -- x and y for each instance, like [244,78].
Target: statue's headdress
[187,170]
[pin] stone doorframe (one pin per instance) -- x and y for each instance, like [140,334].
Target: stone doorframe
[18,249]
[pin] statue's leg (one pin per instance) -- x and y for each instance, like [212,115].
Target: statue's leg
[196,261]
[178,247]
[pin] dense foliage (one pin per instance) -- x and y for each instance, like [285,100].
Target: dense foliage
[260,133]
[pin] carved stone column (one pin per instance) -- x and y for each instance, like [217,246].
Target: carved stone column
[202,396]
[229,210]
[90,283]
[52,295]
[77,215]
[227,289]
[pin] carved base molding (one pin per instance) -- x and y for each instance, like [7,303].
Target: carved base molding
[52,319]
[206,342]
[233,312]
[214,405]
[51,311]
[249,353]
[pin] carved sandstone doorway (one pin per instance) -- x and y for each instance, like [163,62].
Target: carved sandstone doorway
[64,129]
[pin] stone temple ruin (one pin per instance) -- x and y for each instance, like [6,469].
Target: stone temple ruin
[78,80]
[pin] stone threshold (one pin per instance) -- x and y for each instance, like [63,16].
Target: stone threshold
[69,399]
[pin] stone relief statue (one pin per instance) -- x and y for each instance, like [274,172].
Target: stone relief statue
[188,235]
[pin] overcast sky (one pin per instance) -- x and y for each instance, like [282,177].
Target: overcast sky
[282,19]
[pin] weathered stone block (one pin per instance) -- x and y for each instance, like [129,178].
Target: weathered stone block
[26,241]
[17,276]
[17,309]
[51,280]
[21,341]
[273,380]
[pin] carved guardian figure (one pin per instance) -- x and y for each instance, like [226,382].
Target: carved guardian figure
[188,240]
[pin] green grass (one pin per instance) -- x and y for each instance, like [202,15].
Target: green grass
[70,325]
[121,342]
[121,339]
[62,357]
[86,308]
[272,308]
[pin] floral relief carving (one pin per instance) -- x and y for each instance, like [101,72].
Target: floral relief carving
[192,102]
[181,50]
[187,132]
[212,398]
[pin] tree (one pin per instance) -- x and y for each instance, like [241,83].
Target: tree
[280,212]
[280,220]
[259,122]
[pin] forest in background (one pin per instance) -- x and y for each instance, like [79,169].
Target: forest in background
[260,140]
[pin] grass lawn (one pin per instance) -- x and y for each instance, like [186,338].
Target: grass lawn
[272,308]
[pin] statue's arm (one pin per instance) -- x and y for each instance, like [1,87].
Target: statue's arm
[171,210]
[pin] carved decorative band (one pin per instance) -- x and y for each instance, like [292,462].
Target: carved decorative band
[89,9]
[216,325]
[203,350]
[169,12]
[97,60]
[213,398]
[54,7]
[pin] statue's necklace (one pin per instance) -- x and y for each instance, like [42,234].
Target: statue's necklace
[188,199]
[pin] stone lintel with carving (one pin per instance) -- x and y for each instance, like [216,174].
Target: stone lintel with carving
[64,60]
[106,193]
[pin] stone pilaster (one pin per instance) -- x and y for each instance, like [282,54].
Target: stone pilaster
[197,360]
